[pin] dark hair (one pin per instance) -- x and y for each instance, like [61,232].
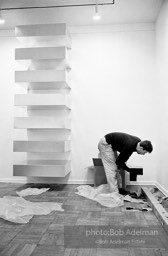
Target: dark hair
[147,145]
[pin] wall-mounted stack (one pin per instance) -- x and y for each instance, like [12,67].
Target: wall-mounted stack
[47,101]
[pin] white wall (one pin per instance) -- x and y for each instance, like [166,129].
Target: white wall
[162,63]
[113,89]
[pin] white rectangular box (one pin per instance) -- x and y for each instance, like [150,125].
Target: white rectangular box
[42,146]
[40,53]
[42,168]
[40,122]
[40,76]
[30,99]
[39,34]
[41,30]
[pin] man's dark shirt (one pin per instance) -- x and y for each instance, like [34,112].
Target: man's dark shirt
[123,143]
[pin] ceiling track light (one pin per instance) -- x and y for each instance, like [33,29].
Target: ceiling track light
[2,21]
[96,15]
[56,6]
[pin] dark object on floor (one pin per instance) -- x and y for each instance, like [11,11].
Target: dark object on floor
[123,191]
[129,208]
[134,172]
[154,190]
[165,202]
[138,209]
[133,195]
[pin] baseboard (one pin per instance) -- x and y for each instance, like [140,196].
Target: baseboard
[82,182]
[44,180]
[55,180]
[13,180]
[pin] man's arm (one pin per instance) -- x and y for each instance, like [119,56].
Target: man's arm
[122,158]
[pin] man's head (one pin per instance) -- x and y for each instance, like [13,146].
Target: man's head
[144,147]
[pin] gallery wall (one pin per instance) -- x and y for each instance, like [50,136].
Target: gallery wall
[114,88]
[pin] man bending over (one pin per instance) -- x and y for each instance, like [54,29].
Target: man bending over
[125,144]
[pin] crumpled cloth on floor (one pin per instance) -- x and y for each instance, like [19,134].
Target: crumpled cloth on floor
[31,191]
[102,195]
[19,210]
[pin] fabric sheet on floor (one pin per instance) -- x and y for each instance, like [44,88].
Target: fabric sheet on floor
[31,191]
[102,195]
[17,209]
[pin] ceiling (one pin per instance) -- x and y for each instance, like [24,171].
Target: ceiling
[123,11]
